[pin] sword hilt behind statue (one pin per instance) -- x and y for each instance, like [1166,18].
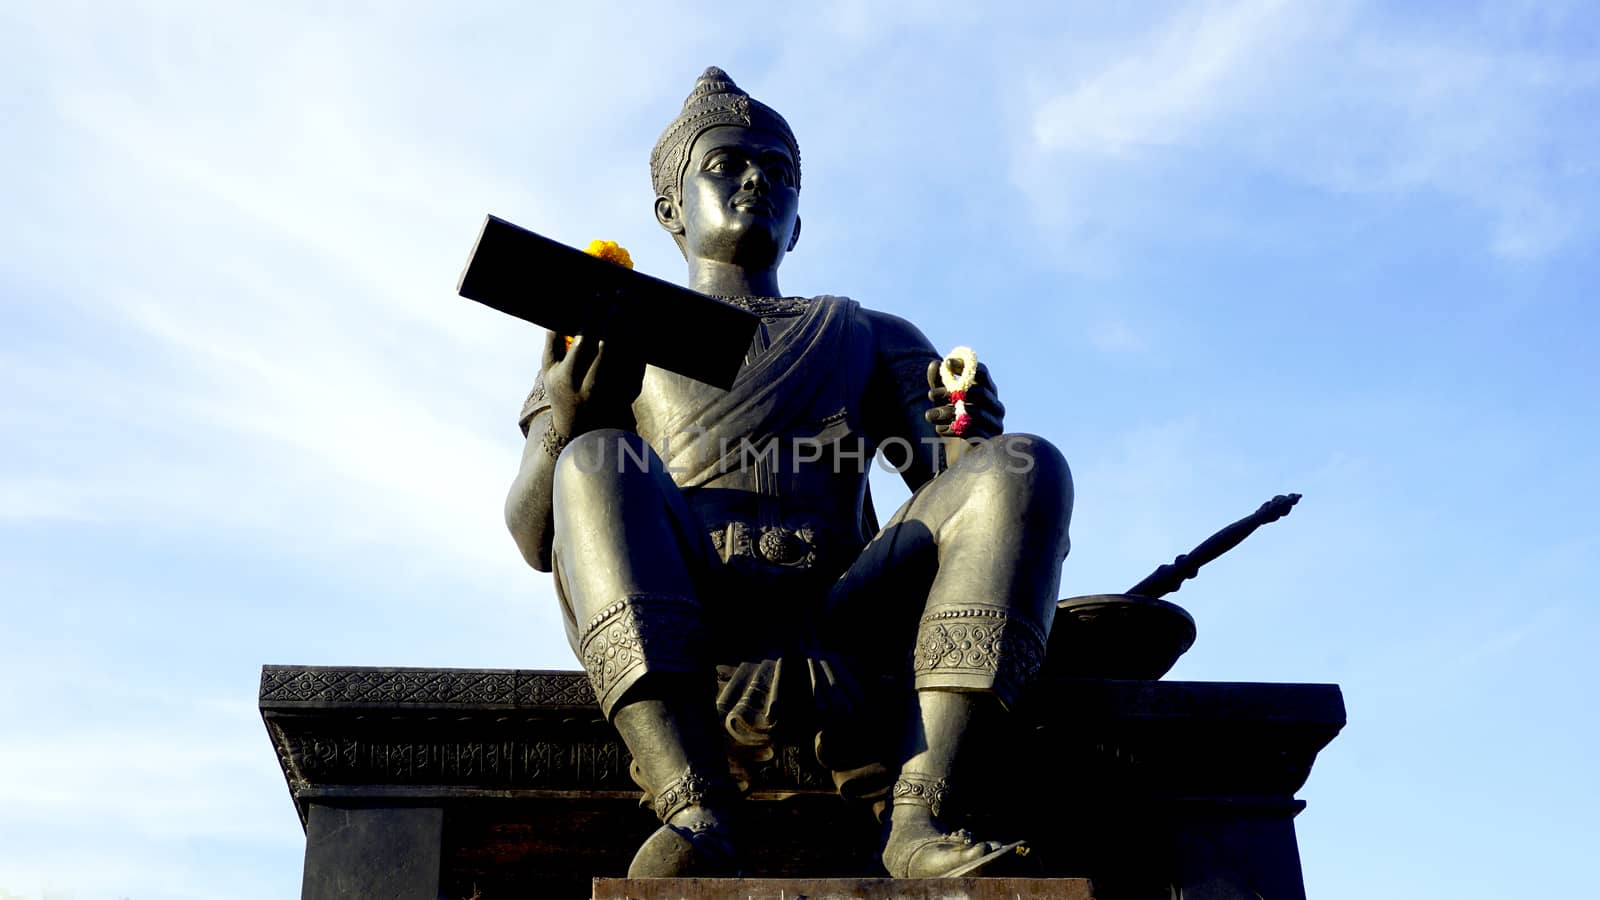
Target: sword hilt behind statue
[1168,579]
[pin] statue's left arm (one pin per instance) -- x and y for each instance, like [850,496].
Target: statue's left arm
[988,534]
[909,405]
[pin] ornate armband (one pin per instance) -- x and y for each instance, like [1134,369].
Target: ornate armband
[553,441]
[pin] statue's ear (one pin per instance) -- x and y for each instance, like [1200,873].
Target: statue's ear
[669,215]
[795,237]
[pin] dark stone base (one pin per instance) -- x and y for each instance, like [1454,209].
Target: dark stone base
[842,889]
[433,784]
[373,851]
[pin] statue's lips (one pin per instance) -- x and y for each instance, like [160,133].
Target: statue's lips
[754,205]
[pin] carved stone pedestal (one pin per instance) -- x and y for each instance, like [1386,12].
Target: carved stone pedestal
[428,784]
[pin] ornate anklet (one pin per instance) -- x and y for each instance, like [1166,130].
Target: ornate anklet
[921,790]
[693,789]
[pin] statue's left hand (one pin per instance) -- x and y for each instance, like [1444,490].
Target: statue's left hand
[984,409]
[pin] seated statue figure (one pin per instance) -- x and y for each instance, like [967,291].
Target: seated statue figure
[717,557]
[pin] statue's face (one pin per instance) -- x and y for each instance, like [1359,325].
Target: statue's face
[739,202]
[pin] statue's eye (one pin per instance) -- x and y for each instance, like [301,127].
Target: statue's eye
[779,170]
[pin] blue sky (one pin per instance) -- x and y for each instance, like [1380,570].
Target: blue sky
[1214,251]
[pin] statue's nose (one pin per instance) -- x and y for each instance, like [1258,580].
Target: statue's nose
[755,179]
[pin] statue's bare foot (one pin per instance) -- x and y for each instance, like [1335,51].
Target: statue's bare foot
[694,842]
[922,850]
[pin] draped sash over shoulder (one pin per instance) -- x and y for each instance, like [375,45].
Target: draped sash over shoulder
[782,392]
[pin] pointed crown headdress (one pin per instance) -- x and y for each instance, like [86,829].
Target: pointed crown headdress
[715,100]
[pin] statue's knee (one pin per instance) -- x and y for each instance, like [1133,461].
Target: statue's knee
[1027,473]
[602,456]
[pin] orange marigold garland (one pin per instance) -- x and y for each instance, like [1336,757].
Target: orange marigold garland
[610,251]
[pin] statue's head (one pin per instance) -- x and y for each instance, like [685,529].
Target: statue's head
[726,174]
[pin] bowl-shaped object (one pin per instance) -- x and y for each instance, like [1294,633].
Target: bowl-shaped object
[1117,636]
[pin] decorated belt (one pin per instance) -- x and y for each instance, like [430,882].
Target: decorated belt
[791,547]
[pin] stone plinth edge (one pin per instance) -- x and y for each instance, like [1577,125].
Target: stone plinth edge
[843,889]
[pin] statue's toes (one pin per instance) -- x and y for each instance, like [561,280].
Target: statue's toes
[957,859]
[970,854]
[935,856]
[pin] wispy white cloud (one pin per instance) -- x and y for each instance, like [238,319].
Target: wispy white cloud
[290,265]
[1345,97]
[162,785]
[236,329]
[1197,67]
[158,792]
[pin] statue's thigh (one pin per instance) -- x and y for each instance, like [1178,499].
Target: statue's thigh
[888,583]
[948,521]
[623,528]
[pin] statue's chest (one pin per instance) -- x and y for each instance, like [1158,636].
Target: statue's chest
[667,397]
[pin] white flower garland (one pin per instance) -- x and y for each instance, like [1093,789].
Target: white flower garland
[958,383]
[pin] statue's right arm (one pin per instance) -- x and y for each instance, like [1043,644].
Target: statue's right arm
[584,387]
[528,504]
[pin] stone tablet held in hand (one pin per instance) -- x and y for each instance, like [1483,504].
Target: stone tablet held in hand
[568,291]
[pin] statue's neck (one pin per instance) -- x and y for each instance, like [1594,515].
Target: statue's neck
[720,279]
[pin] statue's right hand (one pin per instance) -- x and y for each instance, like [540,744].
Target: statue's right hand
[590,384]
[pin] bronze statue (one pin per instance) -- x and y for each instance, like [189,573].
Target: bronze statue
[721,544]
